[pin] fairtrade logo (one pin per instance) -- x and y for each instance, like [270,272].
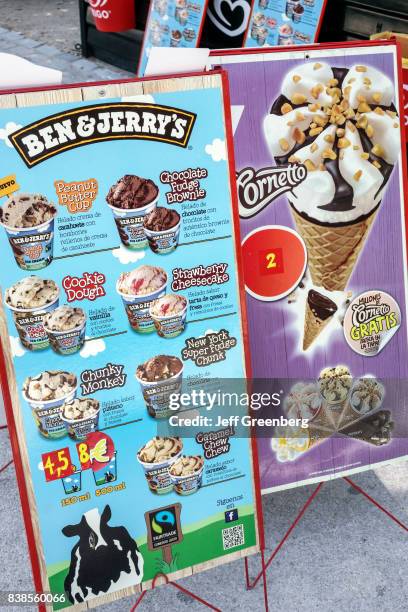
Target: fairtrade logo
[258,188]
[236,21]
[166,518]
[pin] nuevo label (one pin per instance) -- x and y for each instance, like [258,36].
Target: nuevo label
[75,128]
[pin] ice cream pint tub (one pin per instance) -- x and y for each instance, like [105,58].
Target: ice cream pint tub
[187,474]
[156,458]
[137,304]
[65,341]
[80,417]
[130,225]
[157,395]
[29,325]
[32,246]
[169,316]
[28,220]
[163,242]
[47,415]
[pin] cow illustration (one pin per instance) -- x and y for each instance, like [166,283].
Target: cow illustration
[104,560]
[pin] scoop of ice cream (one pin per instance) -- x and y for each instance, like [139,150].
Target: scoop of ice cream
[49,385]
[64,318]
[142,281]
[26,210]
[168,305]
[303,401]
[31,292]
[80,408]
[160,367]
[367,395]
[187,466]
[335,383]
[342,125]
[161,219]
[160,449]
[132,191]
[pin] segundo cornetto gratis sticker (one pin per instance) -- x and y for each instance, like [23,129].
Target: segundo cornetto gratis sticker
[371,321]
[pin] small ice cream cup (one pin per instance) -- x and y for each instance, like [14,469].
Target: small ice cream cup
[78,429]
[67,342]
[137,309]
[29,325]
[129,222]
[158,474]
[32,246]
[171,326]
[188,484]
[163,242]
[157,394]
[47,414]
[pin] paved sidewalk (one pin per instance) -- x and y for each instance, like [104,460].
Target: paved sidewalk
[75,68]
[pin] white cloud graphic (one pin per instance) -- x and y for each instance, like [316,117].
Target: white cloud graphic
[127,256]
[208,331]
[92,347]
[8,129]
[17,349]
[217,150]
[147,98]
[40,466]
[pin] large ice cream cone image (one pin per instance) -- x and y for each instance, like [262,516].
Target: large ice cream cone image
[342,125]
[319,312]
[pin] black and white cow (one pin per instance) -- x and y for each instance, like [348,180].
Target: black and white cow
[104,560]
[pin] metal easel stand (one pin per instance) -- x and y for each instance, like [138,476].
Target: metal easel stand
[250,585]
[176,586]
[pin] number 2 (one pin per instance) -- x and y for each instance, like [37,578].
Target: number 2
[271,259]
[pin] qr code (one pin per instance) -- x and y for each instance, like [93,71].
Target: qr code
[233,536]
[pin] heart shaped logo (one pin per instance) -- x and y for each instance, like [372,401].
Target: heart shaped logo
[230,16]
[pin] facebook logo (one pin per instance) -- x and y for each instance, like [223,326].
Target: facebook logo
[231,515]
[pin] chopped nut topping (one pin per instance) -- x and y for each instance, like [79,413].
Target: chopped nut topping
[377,150]
[361,68]
[314,107]
[395,125]
[299,136]
[365,156]
[333,82]
[357,175]
[346,92]
[369,131]
[340,132]
[290,123]
[298,98]
[363,107]
[351,126]
[317,90]
[343,143]
[356,147]
[376,164]
[318,120]
[367,81]
[296,78]
[317,66]
[351,80]
[293,159]
[329,154]
[340,120]
[286,108]
[313,147]
[313,125]
[350,114]
[309,165]
[392,114]
[377,97]
[379,110]
[362,122]
[299,116]
[361,98]
[284,145]
[329,138]
[315,131]
[322,167]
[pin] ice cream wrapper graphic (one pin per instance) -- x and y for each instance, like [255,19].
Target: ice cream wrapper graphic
[157,395]
[47,415]
[129,223]
[108,473]
[29,325]
[189,483]
[32,246]
[137,309]
[158,475]
[170,327]
[67,342]
[78,429]
[73,483]
[163,242]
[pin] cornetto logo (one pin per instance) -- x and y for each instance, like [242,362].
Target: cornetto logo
[258,188]
[97,123]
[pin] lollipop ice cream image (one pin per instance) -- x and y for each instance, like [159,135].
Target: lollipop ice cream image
[342,125]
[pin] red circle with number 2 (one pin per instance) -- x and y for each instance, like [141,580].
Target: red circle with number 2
[274,260]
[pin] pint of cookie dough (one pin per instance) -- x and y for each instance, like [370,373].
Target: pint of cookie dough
[65,327]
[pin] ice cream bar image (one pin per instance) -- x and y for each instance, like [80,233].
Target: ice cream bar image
[319,312]
[374,429]
[342,125]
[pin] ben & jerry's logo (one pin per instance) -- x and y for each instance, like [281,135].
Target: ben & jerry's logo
[57,133]
[258,188]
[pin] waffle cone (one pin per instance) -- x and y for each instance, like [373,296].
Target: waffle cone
[332,251]
[313,327]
